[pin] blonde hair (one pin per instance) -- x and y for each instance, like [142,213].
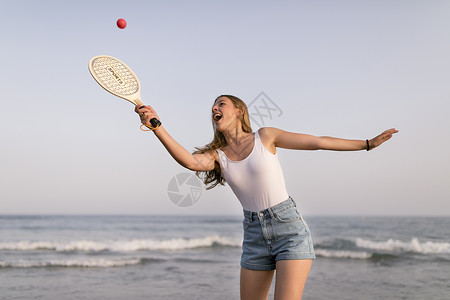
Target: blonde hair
[214,177]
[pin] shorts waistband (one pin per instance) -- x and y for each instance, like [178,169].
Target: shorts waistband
[271,211]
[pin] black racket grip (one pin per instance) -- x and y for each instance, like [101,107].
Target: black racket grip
[155,122]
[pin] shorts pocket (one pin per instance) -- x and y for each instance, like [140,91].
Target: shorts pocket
[289,215]
[245,224]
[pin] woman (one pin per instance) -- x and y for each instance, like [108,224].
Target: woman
[275,234]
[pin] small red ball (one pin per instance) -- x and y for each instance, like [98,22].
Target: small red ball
[121,23]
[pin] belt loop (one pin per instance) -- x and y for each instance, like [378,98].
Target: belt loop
[295,204]
[270,212]
[251,216]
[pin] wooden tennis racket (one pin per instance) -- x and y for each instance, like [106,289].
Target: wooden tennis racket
[118,79]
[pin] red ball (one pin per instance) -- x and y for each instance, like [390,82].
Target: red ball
[121,23]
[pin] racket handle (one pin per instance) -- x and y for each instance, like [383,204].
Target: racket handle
[155,122]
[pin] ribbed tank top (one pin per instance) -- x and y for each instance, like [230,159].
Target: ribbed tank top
[257,180]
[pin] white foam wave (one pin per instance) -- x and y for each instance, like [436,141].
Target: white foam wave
[98,263]
[399,246]
[343,254]
[121,245]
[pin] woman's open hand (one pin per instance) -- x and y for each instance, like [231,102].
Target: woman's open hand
[383,137]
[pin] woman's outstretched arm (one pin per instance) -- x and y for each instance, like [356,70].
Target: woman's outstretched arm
[331,143]
[298,141]
[194,162]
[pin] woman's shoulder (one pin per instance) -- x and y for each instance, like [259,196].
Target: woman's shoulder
[213,154]
[268,131]
[267,135]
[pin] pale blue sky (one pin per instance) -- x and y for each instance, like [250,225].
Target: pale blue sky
[348,69]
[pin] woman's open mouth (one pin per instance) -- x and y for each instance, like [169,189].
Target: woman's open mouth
[217,117]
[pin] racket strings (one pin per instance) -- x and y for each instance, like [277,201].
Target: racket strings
[115,76]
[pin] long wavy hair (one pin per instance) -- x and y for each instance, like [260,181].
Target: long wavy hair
[214,177]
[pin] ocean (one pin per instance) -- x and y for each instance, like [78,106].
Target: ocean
[197,257]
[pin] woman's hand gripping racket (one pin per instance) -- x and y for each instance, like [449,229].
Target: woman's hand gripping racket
[118,79]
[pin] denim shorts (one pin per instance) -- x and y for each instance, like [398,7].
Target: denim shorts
[276,233]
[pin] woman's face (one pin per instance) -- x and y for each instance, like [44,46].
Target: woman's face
[225,115]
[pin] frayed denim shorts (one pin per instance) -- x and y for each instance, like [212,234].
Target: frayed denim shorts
[276,233]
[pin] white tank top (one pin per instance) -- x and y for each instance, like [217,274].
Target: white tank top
[257,180]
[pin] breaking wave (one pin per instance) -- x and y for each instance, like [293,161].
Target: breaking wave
[74,263]
[414,245]
[121,245]
[361,248]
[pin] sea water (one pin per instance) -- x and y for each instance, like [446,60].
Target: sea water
[197,257]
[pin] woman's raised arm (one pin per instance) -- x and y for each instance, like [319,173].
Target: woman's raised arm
[194,162]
